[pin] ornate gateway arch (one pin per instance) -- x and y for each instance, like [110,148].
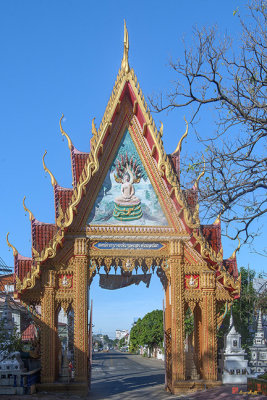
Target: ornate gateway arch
[126,210]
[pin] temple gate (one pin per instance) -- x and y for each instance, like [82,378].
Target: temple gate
[127,211]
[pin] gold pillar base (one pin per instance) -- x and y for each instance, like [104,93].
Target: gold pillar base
[190,386]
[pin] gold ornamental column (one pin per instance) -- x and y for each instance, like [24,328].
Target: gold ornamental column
[81,310]
[167,338]
[176,264]
[208,327]
[48,331]
[167,307]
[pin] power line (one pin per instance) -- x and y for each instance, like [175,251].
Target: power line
[4,269]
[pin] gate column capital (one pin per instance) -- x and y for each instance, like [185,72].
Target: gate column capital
[207,280]
[81,247]
[176,248]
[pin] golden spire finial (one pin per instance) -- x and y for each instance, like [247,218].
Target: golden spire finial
[218,219]
[161,129]
[94,130]
[31,216]
[53,179]
[125,63]
[15,251]
[65,134]
[201,174]
[236,250]
[179,145]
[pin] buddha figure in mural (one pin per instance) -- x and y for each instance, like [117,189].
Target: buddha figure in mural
[127,206]
[127,192]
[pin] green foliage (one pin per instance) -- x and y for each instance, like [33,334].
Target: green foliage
[9,342]
[189,322]
[243,310]
[122,342]
[134,336]
[147,331]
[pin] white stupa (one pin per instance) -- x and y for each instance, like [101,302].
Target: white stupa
[258,363]
[232,366]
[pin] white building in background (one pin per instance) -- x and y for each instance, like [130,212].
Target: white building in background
[121,333]
[258,363]
[232,366]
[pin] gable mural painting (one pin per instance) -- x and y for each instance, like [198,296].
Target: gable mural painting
[127,195]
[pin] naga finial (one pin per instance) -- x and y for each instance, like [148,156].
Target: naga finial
[179,145]
[236,250]
[94,130]
[65,134]
[125,63]
[53,179]
[31,216]
[218,219]
[161,129]
[15,251]
[201,174]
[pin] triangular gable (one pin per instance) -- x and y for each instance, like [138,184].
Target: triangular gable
[127,196]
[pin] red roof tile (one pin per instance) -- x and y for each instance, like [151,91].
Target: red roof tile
[41,234]
[231,266]
[212,234]
[78,163]
[23,265]
[191,196]
[6,280]
[30,333]
[63,197]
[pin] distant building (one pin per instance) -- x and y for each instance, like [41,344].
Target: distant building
[258,363]
[121,333]
[20,316]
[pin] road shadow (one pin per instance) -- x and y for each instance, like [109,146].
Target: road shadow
[121,384]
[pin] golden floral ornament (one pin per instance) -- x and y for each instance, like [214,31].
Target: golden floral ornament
[65,281]
[191,281]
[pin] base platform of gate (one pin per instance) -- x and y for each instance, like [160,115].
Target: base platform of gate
[181,387]
[78,388]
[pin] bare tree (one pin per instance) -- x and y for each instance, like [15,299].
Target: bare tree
[234,83]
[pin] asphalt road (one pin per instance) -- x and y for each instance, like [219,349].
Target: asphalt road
[117,375]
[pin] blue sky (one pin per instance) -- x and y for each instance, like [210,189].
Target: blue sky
[63,56]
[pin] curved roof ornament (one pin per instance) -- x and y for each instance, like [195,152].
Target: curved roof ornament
[201,174]
[70,145]
[161,129]
[125,63]
[31,216]
[53,179]
[218,219]
[15,251]
[94,130]
[233,256]
[179,145]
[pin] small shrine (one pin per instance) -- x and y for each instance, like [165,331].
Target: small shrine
[258,363]
[233,367]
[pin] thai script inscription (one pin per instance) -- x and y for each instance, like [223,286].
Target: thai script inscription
[128,245]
